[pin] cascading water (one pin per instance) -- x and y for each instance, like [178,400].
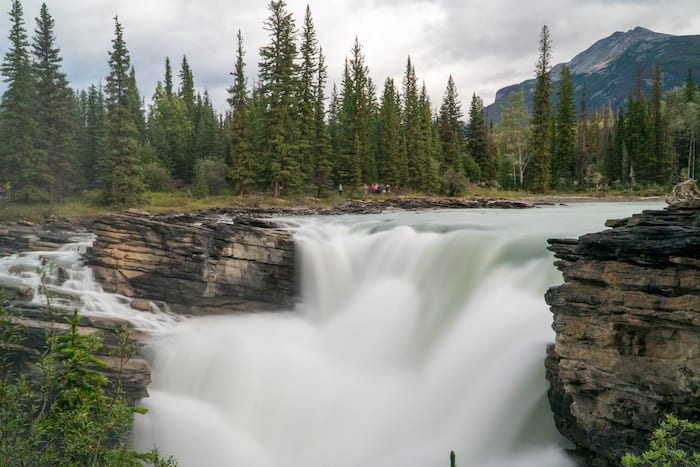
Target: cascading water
[60,278]
[417,334]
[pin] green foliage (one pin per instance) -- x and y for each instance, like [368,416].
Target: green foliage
[453,460]
[120,171]
[74,415]
[541,132]
[564,144]
[674,443]
[454,183]
[210,177]
[477,143]
[156,176]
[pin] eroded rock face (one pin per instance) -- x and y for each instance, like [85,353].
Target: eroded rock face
[627,322]
[195,264]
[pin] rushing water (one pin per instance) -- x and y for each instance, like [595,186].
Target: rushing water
[417,333]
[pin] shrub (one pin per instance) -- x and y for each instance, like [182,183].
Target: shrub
[210,177]
[157,176]
[674,443]
[74,416]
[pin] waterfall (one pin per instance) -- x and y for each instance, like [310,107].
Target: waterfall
[416,334]
[60,278]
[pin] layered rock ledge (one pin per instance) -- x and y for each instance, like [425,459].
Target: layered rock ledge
[627,323]
[196,263]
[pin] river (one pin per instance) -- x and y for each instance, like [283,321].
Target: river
[417,333]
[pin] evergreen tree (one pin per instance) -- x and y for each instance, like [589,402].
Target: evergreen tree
[279,76]
[477,144]
[23,166]
[564,141]
[659,130]
[120,170]
[321,144]
[430,171]
[638,137]
[584,140]
[541,136]
[186,90]
[168,82]
[56,137]
[450,128]
[393,165]
[356,165]
[411,117]
[94,131]
[308,72]
[690,89]
[242,173]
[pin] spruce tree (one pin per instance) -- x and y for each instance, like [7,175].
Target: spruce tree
[308,71]
[23,166]
[242,172]
[94,131]
[659,129]
[411,116]
[564,141]
[120,172]
[642,165]
[393,165]
[56,138]
[541,136]
[321,144]
[477,144]
[279,76]
[450,125]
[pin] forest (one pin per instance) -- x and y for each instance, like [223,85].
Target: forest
[284,137]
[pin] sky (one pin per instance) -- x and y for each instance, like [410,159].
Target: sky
[483,44]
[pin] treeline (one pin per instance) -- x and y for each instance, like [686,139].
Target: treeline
[648,142]
[284,137]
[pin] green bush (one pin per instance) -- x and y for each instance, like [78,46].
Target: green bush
[157,176]
[674,443]
[72,415]
[210,177]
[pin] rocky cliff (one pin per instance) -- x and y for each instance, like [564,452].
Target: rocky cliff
[197,263]
[627,323]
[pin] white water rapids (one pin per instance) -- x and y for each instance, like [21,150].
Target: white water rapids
[417,333]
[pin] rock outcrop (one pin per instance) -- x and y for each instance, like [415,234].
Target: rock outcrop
[196,263]
[627,322]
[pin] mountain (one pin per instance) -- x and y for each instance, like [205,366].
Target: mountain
[609,68]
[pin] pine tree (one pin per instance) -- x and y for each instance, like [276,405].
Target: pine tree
[23,166]
[411,116]
[94,131]
[690,89]
[56,138]
[477,145]
[393,165]
[321,144]
[242,173]
[658,129]
[638,136]
[120,166]
[430,170]
[279,76]
[541,139]
[168,82]
[450,125]
[308,71]
[564,141]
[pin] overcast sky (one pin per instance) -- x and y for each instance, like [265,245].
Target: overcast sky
[483,44]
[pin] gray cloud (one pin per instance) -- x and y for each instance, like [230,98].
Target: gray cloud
[483,44]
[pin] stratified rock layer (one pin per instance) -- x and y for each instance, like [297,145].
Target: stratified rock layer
[627,322]
[195,264]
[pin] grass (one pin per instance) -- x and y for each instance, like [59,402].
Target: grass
[88,203]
